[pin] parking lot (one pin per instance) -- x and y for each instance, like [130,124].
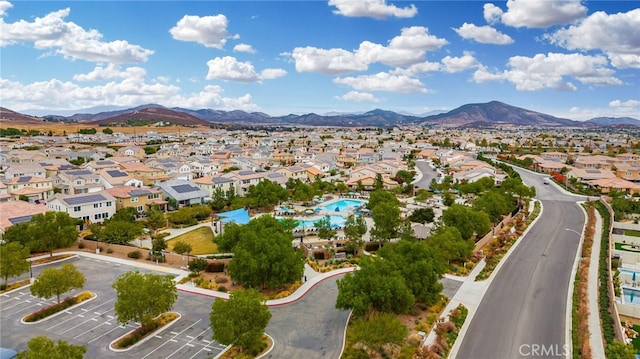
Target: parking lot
[93,323]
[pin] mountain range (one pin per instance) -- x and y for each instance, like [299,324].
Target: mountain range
[478,115]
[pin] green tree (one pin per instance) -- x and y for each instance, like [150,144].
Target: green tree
[54,281]
[467,220]
[355,228]
[218,199]
[377,331]
[142,297]
[181,247]
[266,194]
[449,243]
[386,219]
[376,286]
[45,232]
[420,266]
[107,131]
[381,196]
[619,350]
[126,214]
[379,182]
[448,199]
[325,231]
[241,320]
[155,219]
[495,204]
[264,256]
[121,232]
[44,348]
[403,176]
[13,260]
[422,215]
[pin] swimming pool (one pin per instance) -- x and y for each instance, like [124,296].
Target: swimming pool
[631,296]
[343,205]
[630,272]
[336,221]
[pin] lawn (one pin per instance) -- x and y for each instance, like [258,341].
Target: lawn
[632,233]
[636,341]
[200,239]
[619,246]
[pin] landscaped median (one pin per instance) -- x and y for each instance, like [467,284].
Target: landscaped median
[144,332]
[55,309]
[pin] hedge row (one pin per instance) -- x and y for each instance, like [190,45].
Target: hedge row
[603,297]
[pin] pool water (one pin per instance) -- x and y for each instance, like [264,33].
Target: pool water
[344,205]
[336,221]
[631,296]
[630,272]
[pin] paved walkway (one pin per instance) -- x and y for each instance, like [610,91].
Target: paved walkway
[313,277]
[595,328]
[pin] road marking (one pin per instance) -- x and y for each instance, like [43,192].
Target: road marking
[81,316]
[97,313]
[158,336]
[174,333]
[172,340]
[189,336]
[102,335]
[84,310]
[189,344]
[94,319]
[110,316]
[206,341]
[88,331]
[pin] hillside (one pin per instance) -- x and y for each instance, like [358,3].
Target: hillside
[8,116]
[496,113]
[151,115]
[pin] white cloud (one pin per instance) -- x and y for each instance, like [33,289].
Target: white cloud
[4,6]
[383,81]
[111,71]
[492,13]
[58,95]
[230,69]
[535,13]
[618,35]
[328,62]
[69,39]
[457,64]
[418,68]
[550,71]
[377,9]
[408,48]
[483,34]
[626,104]
[357,96]
[244,48]
[210,31]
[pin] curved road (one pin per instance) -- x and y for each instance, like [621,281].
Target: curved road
[310,327]
[524,311]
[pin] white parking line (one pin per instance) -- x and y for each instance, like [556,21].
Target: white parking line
[173,340]
[88,331]
[103,334]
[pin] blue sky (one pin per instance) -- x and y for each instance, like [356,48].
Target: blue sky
[572,59]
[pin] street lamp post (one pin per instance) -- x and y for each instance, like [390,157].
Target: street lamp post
[31,272]
[97,244]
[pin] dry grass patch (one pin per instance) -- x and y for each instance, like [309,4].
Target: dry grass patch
[200,240]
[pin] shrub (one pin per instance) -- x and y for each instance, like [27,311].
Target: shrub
[318,255]
[80,245]
[215,267]
[134,254]
[109,250]
[198,264]
[222,289]
[371,246]
[221,280]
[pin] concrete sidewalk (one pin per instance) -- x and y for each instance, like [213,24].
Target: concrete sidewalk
[312,276]
[595,328]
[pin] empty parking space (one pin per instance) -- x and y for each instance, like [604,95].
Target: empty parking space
[94,322]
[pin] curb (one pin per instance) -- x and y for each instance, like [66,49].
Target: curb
[148,337]
[58,313]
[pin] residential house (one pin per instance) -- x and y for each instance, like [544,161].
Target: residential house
[606,185]
[477,173]
[78,181]
[4,193]
[185,193]
[628,171]
[172,167]
[595,161]
[27,169]
[24,157]
[114,178]
[142,199]
[202,166]
[96,166]
[294,172]
[584,175]
[149,176]
[132,151]
[33,188]
[368,182]
[15,212]
[245,179]
[92,208]
[211,184]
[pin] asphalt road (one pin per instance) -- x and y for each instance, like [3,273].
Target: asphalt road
[93,323]
[310,327]
[524,311]
[427,174]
